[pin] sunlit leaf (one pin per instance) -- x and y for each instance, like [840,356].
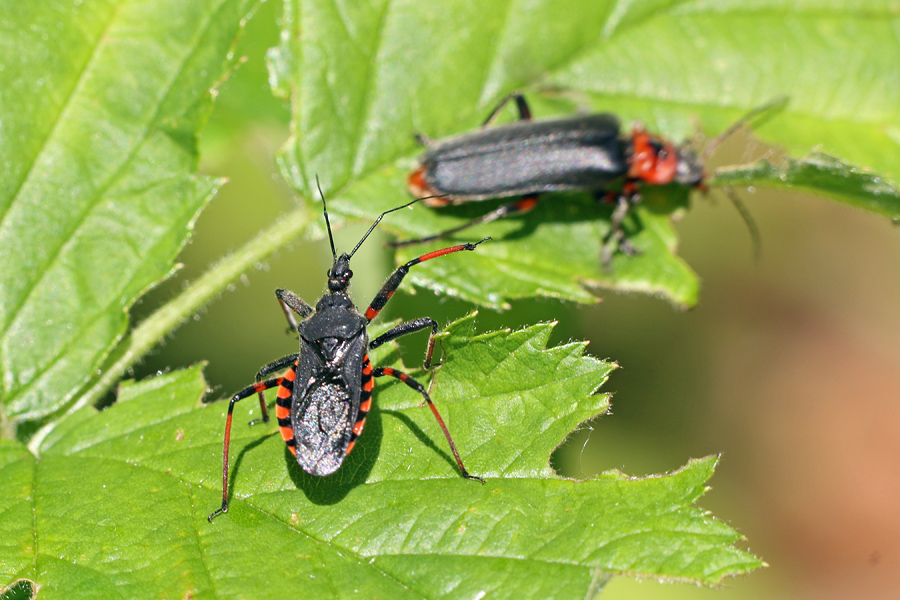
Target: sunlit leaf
[364,78]
[117,504]
[101,102]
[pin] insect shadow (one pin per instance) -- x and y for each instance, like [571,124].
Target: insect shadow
[354,472]
[567,208]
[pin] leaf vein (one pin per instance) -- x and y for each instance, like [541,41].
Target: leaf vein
[367,91]
[63,108]
[111,180]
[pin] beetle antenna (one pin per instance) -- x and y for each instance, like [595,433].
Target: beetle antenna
[748,219]
[327,222]
[381,216]
[772,107]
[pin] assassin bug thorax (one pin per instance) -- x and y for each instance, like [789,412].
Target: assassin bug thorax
[326,392]
[527,158]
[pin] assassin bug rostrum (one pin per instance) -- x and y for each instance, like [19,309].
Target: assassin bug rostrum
[325,394]
[526,158]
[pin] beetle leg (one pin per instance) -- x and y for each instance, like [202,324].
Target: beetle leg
[410,327]
[257,388]
[521,105]
[382,371]
[624,202]
[422,139]
[393,282]
[521,206]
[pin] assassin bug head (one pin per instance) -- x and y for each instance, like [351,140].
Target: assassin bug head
[339,274]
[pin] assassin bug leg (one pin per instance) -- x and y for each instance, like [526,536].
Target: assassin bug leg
[393,282]
[388,371]
[257,388]
[268,369]
[410,327]
[292,303]
[278,365]
[325,394]
[263,409]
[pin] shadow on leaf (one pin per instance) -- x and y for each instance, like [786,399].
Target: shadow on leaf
[355,470]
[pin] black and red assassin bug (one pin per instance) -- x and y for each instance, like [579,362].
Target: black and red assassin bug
[326,392]
[527,158]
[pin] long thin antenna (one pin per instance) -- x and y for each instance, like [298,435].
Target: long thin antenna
[755,237]
[381,216]
[327,222]
[772,105]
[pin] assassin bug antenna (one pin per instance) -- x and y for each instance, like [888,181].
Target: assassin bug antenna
[327,222]
[380,217]
[374,225]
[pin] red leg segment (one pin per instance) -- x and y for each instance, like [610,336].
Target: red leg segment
[390,286]
[257,388]
[391,372]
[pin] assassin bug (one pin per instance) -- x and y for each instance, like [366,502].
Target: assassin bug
[527,158]
[326,392]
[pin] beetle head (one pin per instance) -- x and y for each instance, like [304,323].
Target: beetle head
[689,170]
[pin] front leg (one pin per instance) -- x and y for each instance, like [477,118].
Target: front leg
[393,282]
[292,303]
[615,239]
[391,372]
[410,327]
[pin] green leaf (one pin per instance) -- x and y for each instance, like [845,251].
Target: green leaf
[363,79]
[20,590]
[821,174]
[101,103]
[117,505]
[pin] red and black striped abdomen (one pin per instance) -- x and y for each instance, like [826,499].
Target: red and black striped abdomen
[283,408]
[365,403]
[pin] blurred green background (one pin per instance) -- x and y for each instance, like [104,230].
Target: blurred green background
[790,367]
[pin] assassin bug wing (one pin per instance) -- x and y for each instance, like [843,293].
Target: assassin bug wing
[527,157]
[322,415]
[325,405]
